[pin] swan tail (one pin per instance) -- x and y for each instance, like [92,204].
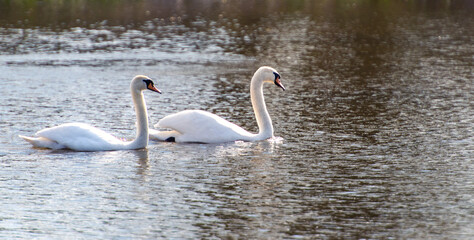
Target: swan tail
[168,136]
[42,142]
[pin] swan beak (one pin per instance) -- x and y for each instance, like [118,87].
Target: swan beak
[153,88]
[278,83]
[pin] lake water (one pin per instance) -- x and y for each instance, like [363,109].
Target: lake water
[374,135]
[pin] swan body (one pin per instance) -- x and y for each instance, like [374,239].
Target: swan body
[205,127]
[83,137]
[199,126]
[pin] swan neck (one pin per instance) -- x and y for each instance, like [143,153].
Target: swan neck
[141,139]
[258,103]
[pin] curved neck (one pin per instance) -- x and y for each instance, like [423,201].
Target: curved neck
[261,114]
[141,139]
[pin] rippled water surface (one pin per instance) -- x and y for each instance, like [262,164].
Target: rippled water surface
[374,135]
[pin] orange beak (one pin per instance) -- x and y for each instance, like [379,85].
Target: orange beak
[278,83]
[153,88]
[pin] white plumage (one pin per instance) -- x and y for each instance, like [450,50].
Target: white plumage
[201,126]
[205,127]
[76,136]
[83,137]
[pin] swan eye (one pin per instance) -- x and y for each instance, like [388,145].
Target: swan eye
[276,75]
[277,81]
[148,82]
[151,86]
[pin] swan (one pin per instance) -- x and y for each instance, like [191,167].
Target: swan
[204,127]
[83,137]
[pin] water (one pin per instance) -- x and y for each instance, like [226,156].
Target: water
[374,135]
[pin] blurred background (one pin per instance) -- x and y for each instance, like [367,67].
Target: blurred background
[374,135]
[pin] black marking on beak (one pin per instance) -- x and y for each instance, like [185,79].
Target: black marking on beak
[277,81]
[151,86]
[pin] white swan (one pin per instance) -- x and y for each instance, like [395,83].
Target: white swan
[205,127]
[83,137]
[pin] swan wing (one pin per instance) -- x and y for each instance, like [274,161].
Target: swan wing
[80,136]
[202,126]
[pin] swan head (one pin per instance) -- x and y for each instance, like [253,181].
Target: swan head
[270,75]
[140,83]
